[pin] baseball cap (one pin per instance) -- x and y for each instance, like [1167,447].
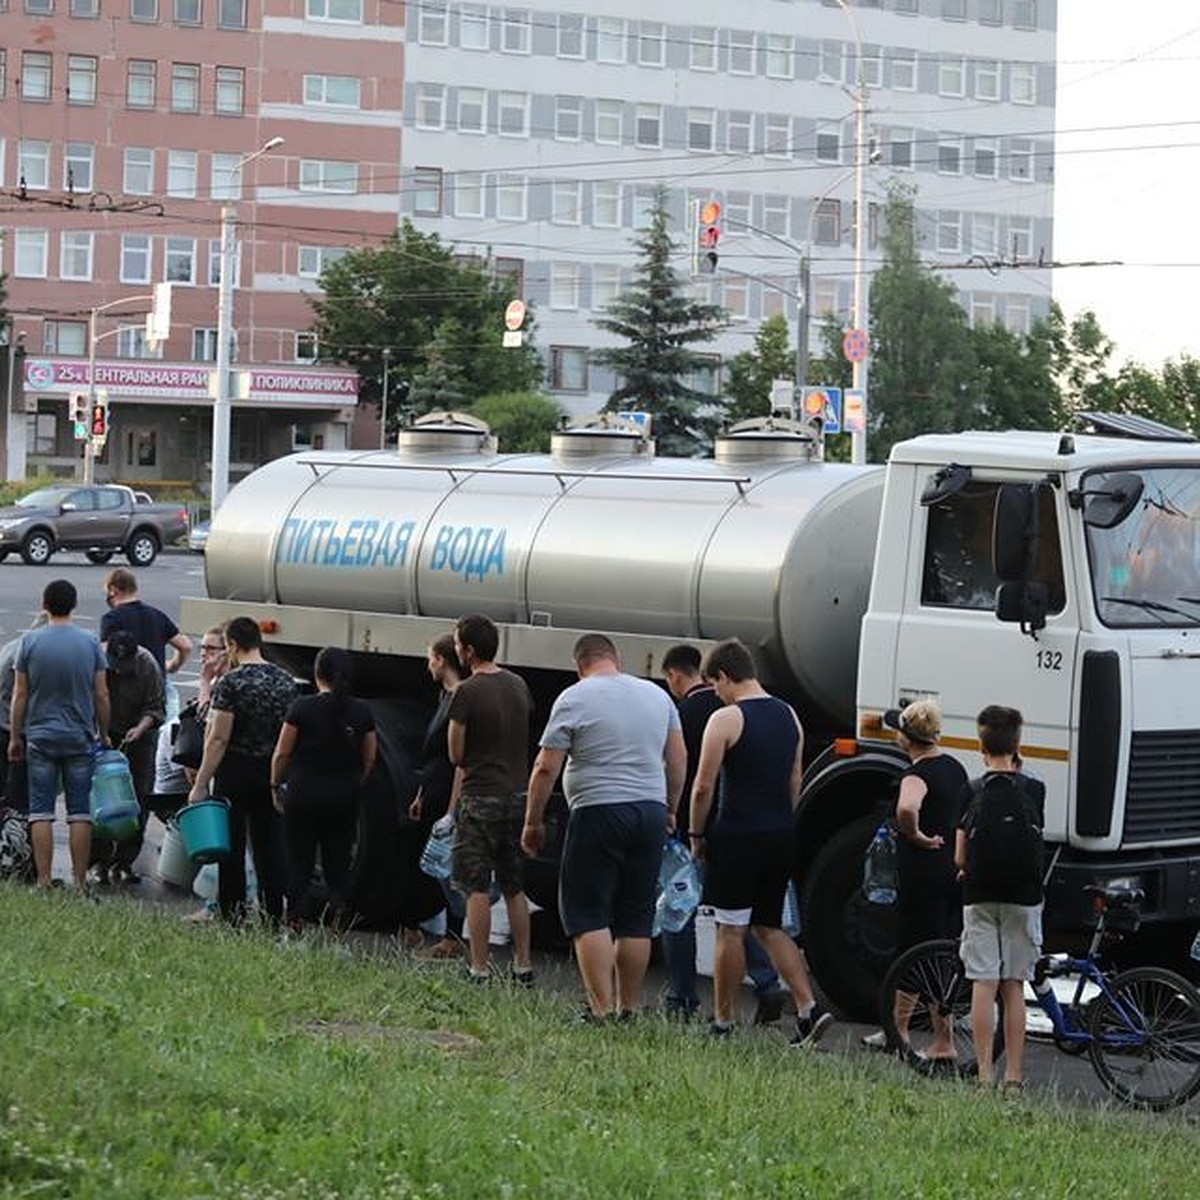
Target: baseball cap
[920,721]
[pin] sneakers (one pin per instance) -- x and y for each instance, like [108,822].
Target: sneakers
[121,875]
[522,976]
[770,1007]
[97,876]
[874,1041]
[720,1029]
[810,1029]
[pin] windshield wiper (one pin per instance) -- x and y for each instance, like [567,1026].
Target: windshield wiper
[1152,606]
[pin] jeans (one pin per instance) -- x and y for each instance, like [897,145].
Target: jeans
[679,957]
[44,772]
[759,967]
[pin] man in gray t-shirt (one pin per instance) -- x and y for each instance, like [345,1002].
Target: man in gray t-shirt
[621,741]
[59,713]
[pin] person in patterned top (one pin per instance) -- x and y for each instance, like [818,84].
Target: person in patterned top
[248,706]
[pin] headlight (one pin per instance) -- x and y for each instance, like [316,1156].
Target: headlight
[10,522]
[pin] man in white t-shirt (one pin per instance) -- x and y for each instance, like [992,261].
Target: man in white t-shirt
[621,741]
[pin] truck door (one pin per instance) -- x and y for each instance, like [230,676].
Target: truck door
[951,645]
[112,516]
[77,518]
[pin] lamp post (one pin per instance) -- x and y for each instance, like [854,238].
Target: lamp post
[858,442]
[15,436]
[383,407]
[221,401]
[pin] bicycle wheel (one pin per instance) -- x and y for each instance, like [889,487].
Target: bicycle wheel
[1146,1038]
[925,1009]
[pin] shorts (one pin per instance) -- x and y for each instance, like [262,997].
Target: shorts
[746,875]
[46,770]
[1001,940]
[487,842]
[608,877]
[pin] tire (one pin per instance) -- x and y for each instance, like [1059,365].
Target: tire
[932,974]
[97,556]
[1146,1038]
[37,548]
[849,941]
[3,555]
[142,548]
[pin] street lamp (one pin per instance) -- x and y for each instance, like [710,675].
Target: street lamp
[15,441]
[221,402]
[383,407]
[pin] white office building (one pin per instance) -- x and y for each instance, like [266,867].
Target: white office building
[537,135]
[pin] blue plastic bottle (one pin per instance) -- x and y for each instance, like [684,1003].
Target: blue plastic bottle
[880,870]
[114,805]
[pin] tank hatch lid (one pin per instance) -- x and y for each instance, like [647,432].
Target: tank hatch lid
[441,432]
[606,435]
[767,439]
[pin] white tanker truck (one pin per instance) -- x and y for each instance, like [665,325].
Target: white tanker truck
[1059,573]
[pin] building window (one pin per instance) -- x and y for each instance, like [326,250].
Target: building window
[514,114]
[702,125]
[334,10]
[775,214]
[831,67]
[609,115]
[900,149]
[564,285]
[904,70]
[872,68]
[3,65]
[181,174]
[985,234]
[1020,160]
[952,73]
[647,127]
[433,23]
[510,197]
[735,297]
[1016,315]
[33,164]
[185,87]
[514,31]
[774,296]
[75,256]
[179,265]
[644,199]
[81,79]
[650,45]
[949,156]
[606,285]
[987,79]
[214,263]
[570,36]
[29,253]
[829,144]
[140,78]
[741,52]
[606,204]
[36,72]
[135,258]
[827,223]
[908,7]
[702,49]
[1024,14]
[431,101]
[306,349]
[141,448]
[1020,237]
[137,178]
[778,55]
[132,343]
[510,272]
[64,337]
[566,202]
[610,40]
[949,231]
[204,345]
[705,376]
[987,158]
[983,309]
[328,175]
[737,214]
[991,12]
[187,12]
[231,14]
[473,27]
[42,433]
[85,8]
[230,91]
[569,368]
[225,177]
[468,194]
[427,191]
[568,118]
[1022,83]
[954,10]
[312,260]
[143,10]
[333,91]
[472,109]
[777,136]
[78,158]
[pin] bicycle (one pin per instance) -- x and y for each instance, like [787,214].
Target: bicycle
[1140,1028]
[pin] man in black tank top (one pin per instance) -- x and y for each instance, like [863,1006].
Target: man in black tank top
[754,745]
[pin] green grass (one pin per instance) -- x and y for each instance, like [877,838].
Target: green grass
[140,1057]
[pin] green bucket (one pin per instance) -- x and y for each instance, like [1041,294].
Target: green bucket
[204,827]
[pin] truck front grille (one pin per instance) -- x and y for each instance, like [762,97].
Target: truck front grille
[1162,802]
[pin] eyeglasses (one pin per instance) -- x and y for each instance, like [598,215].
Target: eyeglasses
[206,646]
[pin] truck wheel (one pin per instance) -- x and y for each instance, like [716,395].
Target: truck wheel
[142,548]
[849,941]
[97,556]
[37,548]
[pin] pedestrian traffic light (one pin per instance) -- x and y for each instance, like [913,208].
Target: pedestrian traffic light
[708,234]
[79,407]
[98,426]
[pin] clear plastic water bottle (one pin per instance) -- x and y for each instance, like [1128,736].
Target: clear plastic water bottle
[114,805]
[680,884]
[1196,946]
[879,869]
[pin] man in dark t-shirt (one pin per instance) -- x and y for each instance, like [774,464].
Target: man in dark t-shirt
[150,626]
[488,741]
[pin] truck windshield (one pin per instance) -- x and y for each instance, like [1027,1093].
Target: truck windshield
[50,497]
[1146,571]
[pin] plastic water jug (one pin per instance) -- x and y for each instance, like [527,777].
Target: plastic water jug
[880,872]
[435,858]
[679,884]
[114,806]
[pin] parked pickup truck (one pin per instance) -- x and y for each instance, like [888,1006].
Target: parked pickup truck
[99,520]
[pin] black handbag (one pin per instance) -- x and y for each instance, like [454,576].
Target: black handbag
[187,744]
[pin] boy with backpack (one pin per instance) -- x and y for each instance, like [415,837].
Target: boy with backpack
[998,851]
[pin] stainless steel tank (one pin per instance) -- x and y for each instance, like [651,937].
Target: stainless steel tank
[772,550]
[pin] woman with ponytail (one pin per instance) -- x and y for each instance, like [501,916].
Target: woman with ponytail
[325,750]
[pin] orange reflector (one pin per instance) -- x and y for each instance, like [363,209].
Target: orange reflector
[845,747]
[268,625]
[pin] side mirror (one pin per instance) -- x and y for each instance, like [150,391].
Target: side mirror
[1014,531]
[1108,499]
[1025,604]
[68,506]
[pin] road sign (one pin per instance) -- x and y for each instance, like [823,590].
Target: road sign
[511,338]
[855,345]
[783,396]
[514,314]
[856,410]
[825,403]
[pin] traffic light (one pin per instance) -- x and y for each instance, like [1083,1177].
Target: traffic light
[98,427]
[79,407]
[708,234]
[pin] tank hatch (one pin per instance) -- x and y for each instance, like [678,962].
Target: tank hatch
[447,432]
[768,439]
[605,435]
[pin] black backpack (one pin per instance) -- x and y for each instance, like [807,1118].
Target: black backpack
[1004,846]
